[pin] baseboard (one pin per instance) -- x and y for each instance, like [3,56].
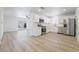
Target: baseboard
[10,31]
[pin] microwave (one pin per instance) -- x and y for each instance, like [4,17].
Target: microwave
[41,20]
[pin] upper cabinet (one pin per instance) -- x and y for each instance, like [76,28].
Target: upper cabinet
[41,19]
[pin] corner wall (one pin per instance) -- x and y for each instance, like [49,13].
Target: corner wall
[1,24]
[77,20]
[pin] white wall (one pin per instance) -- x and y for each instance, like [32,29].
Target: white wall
[10,23]
[1,24]
[77,20]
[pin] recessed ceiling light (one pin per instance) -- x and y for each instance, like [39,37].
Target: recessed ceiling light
[64,9]
[39,10]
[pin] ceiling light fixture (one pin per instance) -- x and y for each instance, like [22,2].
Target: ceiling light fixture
[64,9]
[42,7]
[39,10]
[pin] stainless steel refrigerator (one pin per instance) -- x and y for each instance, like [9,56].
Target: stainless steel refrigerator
[72,26]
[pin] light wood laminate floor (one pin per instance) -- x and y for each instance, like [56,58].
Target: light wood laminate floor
[50,42]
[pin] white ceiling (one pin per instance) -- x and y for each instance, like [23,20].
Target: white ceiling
[17,11]
[48,11]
